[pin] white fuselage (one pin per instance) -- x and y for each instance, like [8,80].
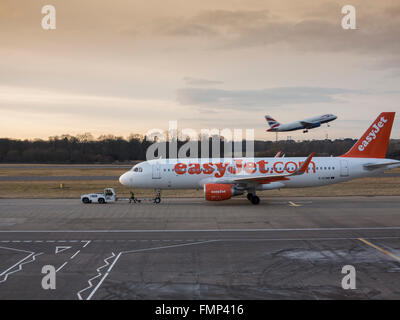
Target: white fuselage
[313,122]
[169,173]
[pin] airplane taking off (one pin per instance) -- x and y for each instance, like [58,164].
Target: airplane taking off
[304,125]
[223,178]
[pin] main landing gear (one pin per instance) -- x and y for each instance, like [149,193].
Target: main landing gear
[253,198]
[305,131]
[157,199]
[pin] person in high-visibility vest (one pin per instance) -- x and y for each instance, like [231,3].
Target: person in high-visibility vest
[132,197]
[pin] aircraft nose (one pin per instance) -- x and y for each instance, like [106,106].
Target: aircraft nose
[124,179]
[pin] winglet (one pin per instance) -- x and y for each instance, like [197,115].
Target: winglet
[305,165]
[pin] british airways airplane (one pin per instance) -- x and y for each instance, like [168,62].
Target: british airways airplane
[304,125]
[222,179]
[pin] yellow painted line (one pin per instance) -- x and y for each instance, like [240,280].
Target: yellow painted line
[292,204]
[380,249]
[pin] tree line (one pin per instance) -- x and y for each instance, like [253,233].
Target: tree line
[110,149]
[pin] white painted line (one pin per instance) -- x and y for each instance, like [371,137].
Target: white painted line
[16,264]
[304,239]
[171,246]
[76,253]
[96,276]
[87,242]
[13,249]
[62,266]
[104,277]
[199,230]
[61,249]
[133,251]
[21,263]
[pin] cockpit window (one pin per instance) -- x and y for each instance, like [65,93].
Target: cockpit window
[137,169]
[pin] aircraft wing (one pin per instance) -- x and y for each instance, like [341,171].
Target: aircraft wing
[309,125]
[372,166]
[270,178]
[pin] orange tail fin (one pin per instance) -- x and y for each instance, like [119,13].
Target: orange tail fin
[374,142]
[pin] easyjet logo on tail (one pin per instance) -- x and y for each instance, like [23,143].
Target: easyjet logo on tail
[374,142]
[376,128]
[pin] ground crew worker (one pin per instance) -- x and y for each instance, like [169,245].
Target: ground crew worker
[132,198]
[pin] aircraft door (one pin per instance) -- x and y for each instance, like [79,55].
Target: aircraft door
[344,168]
[156,170]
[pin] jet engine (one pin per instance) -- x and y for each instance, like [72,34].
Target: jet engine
[315,125]
[220,191]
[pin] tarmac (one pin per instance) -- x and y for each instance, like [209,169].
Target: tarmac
[284,248]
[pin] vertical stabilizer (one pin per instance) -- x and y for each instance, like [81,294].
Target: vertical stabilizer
[374,142]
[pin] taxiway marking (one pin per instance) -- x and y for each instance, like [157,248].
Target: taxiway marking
[61,249]
[198,230]
[75,254]
[126,252]
[62,266]
[292,204]
[380,249]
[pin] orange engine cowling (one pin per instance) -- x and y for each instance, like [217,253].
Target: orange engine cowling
[217,191]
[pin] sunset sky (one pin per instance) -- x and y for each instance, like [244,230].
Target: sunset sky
[121,67]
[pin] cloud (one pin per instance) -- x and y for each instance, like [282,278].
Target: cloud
[318,29]
[271,97]
[211,23]
[200,82]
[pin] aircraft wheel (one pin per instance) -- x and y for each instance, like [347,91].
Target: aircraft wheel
[255,200]
[249,196]
[157,200]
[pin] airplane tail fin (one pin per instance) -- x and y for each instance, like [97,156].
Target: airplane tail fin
[272,122]
[374,142]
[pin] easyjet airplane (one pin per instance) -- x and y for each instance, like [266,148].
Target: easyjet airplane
[305,124]
[224,178]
